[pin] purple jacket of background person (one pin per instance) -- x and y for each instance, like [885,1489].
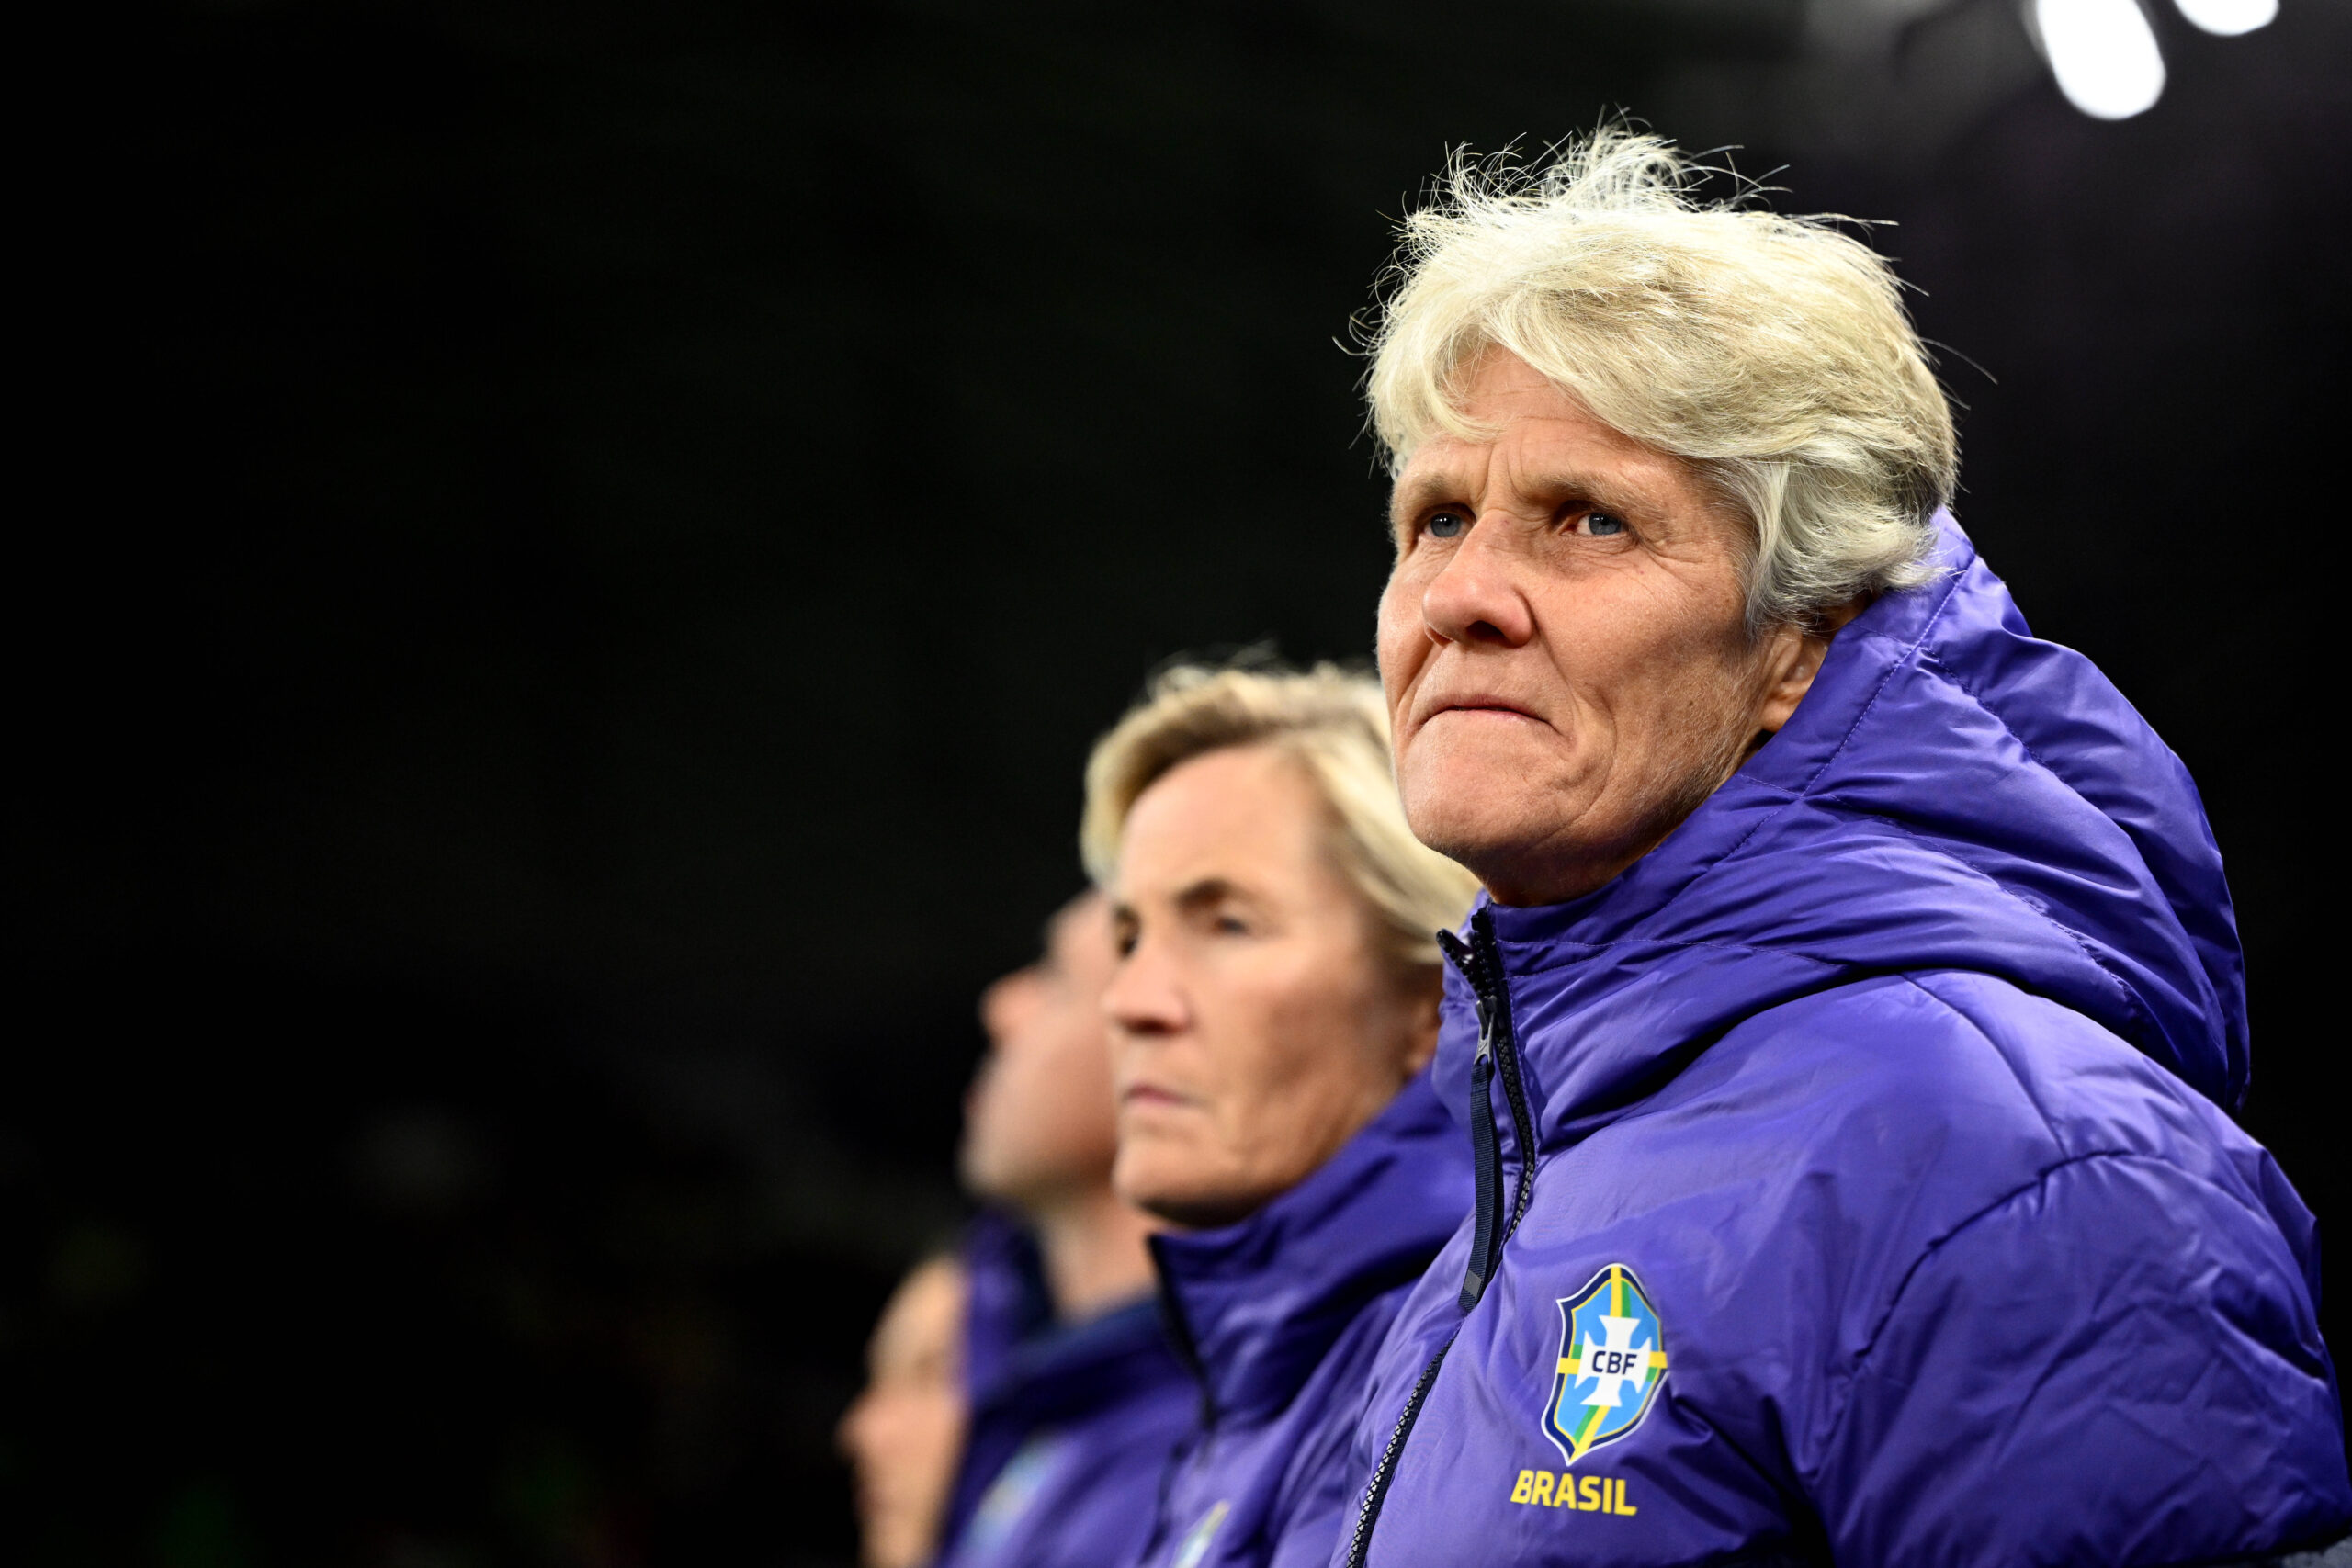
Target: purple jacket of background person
[1281,1315]
[1863,1187]
[1071,1425]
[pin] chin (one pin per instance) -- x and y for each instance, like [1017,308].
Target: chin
[1488,820]
[1201,1211]
[1135,1175]
[1163,1184]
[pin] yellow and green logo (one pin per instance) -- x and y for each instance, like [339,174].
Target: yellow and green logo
[1613,1362]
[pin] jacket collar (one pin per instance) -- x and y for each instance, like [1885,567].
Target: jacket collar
[1257,1305]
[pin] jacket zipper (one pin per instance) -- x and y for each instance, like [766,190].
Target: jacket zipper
[1480,961]
[1376,1493]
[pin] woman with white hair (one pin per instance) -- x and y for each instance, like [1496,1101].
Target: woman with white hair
[1272,1014]
[1850,1025]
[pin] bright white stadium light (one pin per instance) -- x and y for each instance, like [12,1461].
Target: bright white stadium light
[2103,54]
[2230,18]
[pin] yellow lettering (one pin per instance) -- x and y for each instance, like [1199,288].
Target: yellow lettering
[1623,1506]
[1541,1495]
[1588,1495]
[1566,1495]
[1519,1491]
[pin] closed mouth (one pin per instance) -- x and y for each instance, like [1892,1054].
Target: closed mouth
[1484,705]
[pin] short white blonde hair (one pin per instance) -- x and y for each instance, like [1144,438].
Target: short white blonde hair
[1335,725]
[1772,353]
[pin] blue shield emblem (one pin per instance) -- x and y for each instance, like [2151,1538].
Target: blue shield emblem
[1613,1362]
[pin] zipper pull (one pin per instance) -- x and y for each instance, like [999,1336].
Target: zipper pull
[1486,1159]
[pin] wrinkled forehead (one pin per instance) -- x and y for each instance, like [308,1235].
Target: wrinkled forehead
[1244,821]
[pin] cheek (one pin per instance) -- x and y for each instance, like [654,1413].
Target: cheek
[1081,1064]
[1247,1045]
[1397,639]
[1638,660]
[1014,1096]
[1313,1028]
[1227,1070]
[1082,1112]
[1697,697]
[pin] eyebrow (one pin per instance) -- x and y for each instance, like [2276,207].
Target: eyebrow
[1206,892]
[1412,495]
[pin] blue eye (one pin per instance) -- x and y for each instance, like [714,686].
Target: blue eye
[1602,525]
[1447,524]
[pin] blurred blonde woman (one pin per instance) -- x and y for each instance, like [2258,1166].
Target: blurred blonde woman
[1273,1010]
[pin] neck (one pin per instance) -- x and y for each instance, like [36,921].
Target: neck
[1092,1247]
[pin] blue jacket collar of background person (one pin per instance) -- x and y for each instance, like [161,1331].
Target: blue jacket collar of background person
[1951,794]
[1006,1304]
[1015,1354]
[1112,1383]
[1256,1305]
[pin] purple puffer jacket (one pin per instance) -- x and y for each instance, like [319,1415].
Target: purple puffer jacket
[1883,1209]
[1071,1423]
[1281,1315]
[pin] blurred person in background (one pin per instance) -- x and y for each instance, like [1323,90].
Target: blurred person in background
[1850,1030]
[1275,1006]
[1076,1396]
[902,1434]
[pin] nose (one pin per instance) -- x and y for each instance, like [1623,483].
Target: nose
[1476,596]
[1005,1004]
[1145,997]
[853,1437]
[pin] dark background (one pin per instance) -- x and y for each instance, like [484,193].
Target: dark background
[575,554]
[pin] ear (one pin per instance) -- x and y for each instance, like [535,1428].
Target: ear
[1793,656]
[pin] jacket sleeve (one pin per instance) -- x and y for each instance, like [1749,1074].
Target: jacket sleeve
[2118,1364]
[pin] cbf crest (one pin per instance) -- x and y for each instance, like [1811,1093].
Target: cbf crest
[1613,1362]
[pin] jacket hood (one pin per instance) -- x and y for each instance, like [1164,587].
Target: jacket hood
[1257,1303]
[1953,794]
